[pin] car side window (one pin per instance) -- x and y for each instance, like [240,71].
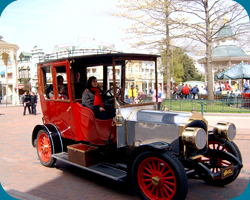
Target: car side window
[47,82]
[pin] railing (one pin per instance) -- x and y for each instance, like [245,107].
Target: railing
[224,105]
[77,52]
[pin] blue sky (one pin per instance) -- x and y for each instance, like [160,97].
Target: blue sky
[48,22]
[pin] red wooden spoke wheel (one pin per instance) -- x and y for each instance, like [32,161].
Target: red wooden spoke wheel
[156,179]
[44,149]
[217,164]
[159,175]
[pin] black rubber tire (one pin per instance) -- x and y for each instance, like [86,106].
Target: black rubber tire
[238,151]
[44,155]
[230,147]
[165,161]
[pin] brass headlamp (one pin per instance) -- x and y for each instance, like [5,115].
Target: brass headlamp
[194,136]
[225,130]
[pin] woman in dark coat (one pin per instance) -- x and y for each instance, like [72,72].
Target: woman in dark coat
[91,98]
[26,102]
[33,101]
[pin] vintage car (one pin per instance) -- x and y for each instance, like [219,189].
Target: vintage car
[157,150]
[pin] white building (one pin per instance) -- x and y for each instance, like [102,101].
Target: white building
[8,72]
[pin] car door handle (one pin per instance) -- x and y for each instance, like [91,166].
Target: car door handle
[68,109]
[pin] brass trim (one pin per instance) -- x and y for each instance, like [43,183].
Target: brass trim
[155,180]
[197,156]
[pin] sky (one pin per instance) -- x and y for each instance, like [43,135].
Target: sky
[46,23]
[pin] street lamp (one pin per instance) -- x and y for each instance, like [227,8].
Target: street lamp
[5,57]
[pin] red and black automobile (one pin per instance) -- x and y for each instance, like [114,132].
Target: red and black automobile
[157,150]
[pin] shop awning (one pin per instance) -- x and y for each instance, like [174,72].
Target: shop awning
[19,87]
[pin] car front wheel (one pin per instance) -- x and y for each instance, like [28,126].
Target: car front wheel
[159,175]
[217,164]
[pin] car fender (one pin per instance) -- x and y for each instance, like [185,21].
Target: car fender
[156,146]
[53,133]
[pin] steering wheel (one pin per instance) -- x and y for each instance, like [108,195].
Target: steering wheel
[108,96]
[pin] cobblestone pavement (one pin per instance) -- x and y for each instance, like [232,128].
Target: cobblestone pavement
[23,177]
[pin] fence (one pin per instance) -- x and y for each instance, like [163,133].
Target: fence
[224,105]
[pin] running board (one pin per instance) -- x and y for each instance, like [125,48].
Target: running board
[101,169]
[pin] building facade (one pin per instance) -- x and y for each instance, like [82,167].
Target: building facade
[225,52]
[8,72]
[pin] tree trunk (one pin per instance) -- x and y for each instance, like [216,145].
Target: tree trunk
[209,54]
[168,55]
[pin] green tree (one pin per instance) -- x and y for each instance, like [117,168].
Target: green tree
[182,66]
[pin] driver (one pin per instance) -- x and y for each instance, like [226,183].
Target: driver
[91,98]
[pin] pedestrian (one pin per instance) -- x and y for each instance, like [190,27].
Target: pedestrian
[203,90]
[179,91]
[217,88]
[26,102]
[174,91]
[159,96]
[227,86]
[246,87]
[190,91]
[185,91]
[221,85]
[132,94]
[195,91]
[33,102]
[126,95]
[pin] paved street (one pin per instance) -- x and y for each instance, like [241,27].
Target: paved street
[22,175]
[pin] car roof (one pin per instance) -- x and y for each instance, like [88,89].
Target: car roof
[95,58]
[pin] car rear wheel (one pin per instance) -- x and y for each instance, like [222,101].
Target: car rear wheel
[219,163]
[159,176]
[44,149]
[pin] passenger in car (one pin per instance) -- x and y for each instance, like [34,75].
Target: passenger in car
[62,89]
[79,86]
[92,99]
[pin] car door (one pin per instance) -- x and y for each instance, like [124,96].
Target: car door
[63,99]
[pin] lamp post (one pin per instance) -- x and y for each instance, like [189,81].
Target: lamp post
[5,57]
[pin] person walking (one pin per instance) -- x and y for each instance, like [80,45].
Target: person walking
[132,94]
[159,92]
[195,91]
[33,102]
[185,91]
[26,103]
